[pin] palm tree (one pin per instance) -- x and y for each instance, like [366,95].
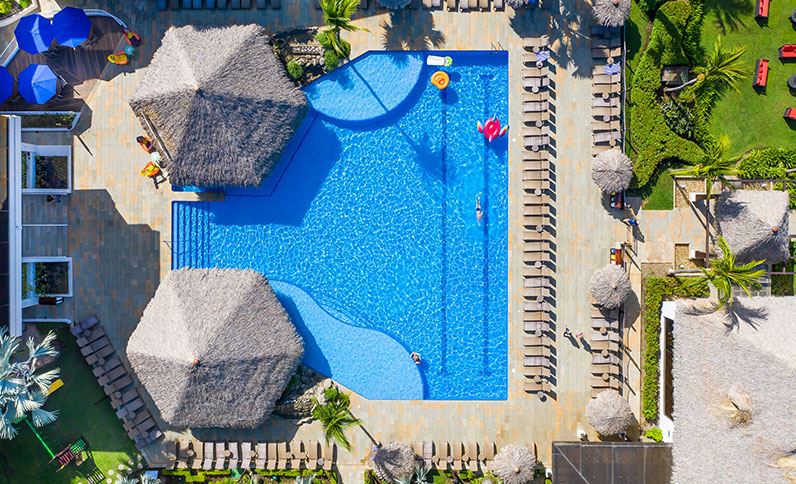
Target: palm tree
[337,17]
[714,167]
[23,392]
[335,415]
[725,273]
[723,69]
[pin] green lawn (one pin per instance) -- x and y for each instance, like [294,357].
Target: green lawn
[784,285]
[661,197]
[749,118]
[84,411]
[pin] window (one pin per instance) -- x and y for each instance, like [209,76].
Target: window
[46,169]
[46,276]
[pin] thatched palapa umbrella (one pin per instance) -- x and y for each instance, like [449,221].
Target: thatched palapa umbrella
[755,224]
[392,461]
[218,105]
[514,464]
[609,413]
[612,171]
[214,348]
[611,13]
[610,286]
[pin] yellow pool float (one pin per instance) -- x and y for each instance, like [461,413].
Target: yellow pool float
[440,79]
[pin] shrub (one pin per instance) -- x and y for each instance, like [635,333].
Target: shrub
[323,38]
[654,291]
[678,118]
[648,6]
[295,70]
[330,60]
[771,163]
[5,6]
[655,434]
[653,142]
[24,3]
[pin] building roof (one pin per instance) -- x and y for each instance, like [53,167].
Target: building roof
[218,104]
[755,224]
[749,360]
[611,463]
[214,348]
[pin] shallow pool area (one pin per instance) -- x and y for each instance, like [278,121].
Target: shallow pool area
[368,231]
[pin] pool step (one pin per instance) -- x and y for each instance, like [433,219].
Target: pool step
[190,235]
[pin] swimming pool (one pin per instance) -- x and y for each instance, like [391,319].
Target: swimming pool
[367,228]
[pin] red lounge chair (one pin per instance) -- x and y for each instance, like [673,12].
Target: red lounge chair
[761,9]
[787,51]
[790,114]
[761,73]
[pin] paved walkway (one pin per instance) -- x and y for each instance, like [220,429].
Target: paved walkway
[120,225]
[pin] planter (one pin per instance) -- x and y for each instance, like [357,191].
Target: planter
[18,12]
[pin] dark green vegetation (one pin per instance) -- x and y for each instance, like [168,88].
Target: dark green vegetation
[185,475]
[83,411]
[655,290]
[771,163]
[660,195]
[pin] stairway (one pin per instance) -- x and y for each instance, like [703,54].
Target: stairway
[190,235]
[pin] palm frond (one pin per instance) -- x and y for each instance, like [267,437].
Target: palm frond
[7,429]
[43,349]
[41,417]
[44,380]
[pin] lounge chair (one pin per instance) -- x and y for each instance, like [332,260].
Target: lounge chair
[609,336]
[296,455]
[471,455]
[606,112]
[428,453]
[535,175]
[117,385]
[536,117]
[537,165]
[537,339]
[599,382]
[195,455]
[130,407]
[606,90]
[262,455]
[273,463]
[787,51]
[533,361]
[604,53]
[221,455]
[606,79]
[95,346]
[537,209]
[182,453]
[533,199]
[537,387]
[246,455]
[207,463]
[597,126]
[535,293]
[483,5]
[609,43]
[536,305]
[600,345]
[311,448]
[84,324]
[531,221]
[535,235]
[601,102]
[234,455]
[98,358]
[535,96]
[282,455]
[486,452]
[112,375]
[498,4]
[536,246]
[536,317]
[790,114]
[536,43]
[535,106]
[532,371]
[535,350]
[610,137]
[90,335]
[536,143]
[536,84]
[452,5]
[535,72]
[597,323]
[761,9]
[530,58]
[122,397]
[456,454]
[329,456]
[602,313]
[441,455]
[599,359]
[132,421]
[108,366]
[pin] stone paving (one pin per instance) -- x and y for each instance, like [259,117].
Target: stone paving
[120,224]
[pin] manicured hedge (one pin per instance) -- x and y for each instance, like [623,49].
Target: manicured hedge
[771,163]
[654,291]
[652,142]
[202,476]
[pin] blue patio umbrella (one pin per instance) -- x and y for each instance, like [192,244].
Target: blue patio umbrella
[6,85]
[38,84]
[34,33]
[71,27]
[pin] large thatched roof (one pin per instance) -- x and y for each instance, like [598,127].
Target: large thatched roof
[393,461]
[610,286]
[747,365]
[514,464]
[612,170]
[755,224]
[214,348]
[219,105]
[609,413]
[611,13]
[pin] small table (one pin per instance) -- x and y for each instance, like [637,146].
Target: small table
[606,376]
[227,454]
[603,330]
[320,461]
[191,454]
[117,395]
[538,379]
[538,265]
[792,82]
[538,192]
[607,118]
[540,299]
[535,89]
[536,49]
[604,353]
[540,229]
[534,147]
[539,123]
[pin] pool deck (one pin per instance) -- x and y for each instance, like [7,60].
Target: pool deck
[120,224]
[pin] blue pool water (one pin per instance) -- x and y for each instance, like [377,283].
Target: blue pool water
[367,228]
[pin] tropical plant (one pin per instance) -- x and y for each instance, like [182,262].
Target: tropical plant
[294,69]
[678,118]
[403,479]
[335,416]
[305,479]
[723,69]
[725,273]
[421,471]
[142,479]
[337,17]
[23,392]
[654,433]
[714,167]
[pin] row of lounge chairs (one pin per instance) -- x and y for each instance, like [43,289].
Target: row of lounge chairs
[189,454]
[538,217]
[111,374]
[218,4]
[606,349]
[606,48]
[456,455]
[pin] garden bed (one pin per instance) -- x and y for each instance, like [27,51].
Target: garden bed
[301,54]
[180,476]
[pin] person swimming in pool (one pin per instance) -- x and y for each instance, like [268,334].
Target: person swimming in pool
[479,214]
[416,358]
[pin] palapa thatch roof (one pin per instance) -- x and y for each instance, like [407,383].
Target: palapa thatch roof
[393,461]
[214,348]
[514,464]
[609,413]
[747,362]
[611,13]
[218,105]
[612,170]
[610,286]
[755,224]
